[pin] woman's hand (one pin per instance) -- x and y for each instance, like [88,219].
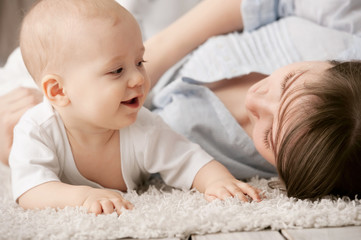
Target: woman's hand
[12,107]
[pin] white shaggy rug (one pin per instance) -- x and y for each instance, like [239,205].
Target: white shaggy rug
[163,212]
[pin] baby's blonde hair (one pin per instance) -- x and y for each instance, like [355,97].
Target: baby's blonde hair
[48,28]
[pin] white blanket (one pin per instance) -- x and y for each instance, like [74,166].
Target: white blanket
[14,74]
[163,212]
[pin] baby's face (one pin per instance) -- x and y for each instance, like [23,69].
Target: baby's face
[265,98]
[105,79]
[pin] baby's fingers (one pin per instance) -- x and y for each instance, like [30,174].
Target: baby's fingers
[102,206]
[209,198]
[95,207]
[107,206]
[249,190]
[220,193]
[121,203]
[237,192]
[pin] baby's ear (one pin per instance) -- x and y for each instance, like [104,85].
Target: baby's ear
[52,86]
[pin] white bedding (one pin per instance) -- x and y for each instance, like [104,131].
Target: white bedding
[14,74]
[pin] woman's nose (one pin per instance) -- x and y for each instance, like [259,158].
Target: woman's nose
[258,100]
[260,88]
[259,106]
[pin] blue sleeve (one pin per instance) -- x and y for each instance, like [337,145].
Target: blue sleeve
[257,13]
[342,15]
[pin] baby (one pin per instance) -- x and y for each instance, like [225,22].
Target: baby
[91,139]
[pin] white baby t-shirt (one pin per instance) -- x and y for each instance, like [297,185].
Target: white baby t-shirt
[41,152]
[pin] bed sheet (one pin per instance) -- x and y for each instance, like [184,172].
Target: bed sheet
[14,74]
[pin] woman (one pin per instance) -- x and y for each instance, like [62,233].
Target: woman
[216,114]
[303,119]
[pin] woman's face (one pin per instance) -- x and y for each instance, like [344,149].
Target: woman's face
[265,98]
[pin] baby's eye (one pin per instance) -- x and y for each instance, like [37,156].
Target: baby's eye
[139,64]
[118,71]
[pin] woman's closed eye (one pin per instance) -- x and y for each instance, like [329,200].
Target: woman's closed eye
[265,138]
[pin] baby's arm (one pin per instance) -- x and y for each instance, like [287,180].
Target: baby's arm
[215,181]
[59,195]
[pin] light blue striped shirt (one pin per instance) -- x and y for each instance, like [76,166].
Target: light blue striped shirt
[276,33]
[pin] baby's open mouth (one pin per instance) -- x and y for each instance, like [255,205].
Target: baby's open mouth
[134,102]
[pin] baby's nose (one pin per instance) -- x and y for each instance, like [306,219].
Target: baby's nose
[137,79]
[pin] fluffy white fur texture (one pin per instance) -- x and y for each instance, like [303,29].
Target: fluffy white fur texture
[164,212]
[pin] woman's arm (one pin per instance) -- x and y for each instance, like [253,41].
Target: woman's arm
[207,19]
[12,107]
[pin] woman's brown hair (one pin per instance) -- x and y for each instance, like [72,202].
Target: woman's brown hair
[320,153]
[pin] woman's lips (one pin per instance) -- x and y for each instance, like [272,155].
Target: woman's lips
[132,103]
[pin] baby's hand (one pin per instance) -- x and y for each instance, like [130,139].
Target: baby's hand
[231,187]
[105,201]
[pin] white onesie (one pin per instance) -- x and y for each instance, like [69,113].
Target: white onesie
[41,152]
